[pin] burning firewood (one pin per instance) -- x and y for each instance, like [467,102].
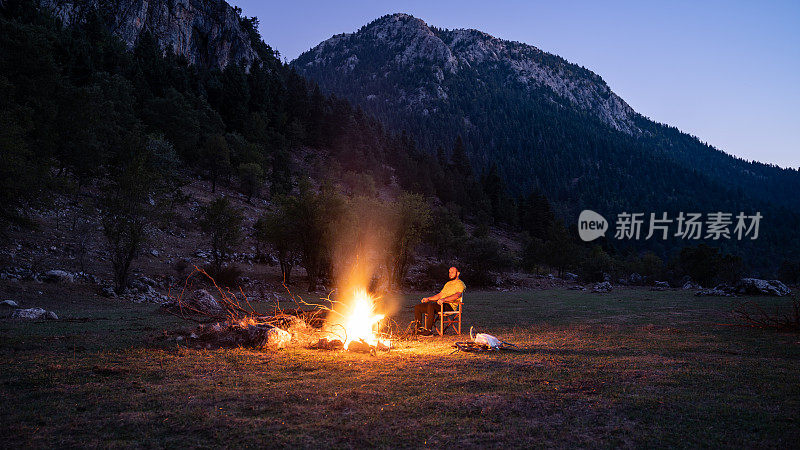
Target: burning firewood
[326,344]
[245,333]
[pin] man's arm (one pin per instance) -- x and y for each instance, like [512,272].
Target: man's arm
[432,298]
[450,298]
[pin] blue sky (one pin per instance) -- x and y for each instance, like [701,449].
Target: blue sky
[726,72]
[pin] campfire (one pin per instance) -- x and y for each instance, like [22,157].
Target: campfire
[359,321]
[351,322]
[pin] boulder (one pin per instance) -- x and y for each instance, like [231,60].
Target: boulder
[755,286]
[635,279]
[33,314]
[603,287]
[108,291]
[138,285]
[148,297]
[277,338]
[200,301]
[689,285]
[660,285]
[86,277]
[569,276]
[9,304]
[57,276]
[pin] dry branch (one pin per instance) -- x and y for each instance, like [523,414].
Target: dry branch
[755,315]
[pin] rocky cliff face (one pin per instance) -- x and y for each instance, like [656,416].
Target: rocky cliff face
[207,32]
[407,44]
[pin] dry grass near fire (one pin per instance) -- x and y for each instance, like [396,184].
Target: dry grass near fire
[631,368]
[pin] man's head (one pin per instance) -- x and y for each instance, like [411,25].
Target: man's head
[454,273]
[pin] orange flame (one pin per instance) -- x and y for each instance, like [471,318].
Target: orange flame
[360,320]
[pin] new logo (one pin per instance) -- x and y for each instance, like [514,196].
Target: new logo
[591,225]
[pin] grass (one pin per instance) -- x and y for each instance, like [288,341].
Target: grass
[633,368]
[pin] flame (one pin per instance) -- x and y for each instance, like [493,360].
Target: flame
[360,320]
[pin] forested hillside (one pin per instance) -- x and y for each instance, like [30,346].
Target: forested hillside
[548,125]
[124,128]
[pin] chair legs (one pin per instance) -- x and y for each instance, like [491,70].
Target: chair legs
[444,323]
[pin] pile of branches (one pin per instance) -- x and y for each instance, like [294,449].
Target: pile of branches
[229,320]
[785,321]
[255,333]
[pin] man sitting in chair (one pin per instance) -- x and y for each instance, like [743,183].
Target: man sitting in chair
[451,292]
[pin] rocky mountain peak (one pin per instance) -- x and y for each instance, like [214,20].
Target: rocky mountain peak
[399,43]
[207,32]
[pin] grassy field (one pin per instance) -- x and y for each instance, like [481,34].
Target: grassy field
[633,368]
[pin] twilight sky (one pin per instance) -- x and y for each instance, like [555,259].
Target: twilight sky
[727,72]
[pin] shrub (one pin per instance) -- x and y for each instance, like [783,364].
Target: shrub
[224,276]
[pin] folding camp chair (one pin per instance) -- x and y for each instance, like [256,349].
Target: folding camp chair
[449,319]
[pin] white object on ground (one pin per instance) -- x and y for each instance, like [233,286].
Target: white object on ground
[486,339]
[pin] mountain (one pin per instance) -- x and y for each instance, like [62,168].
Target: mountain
[208,33]
[403,42]
[546,123]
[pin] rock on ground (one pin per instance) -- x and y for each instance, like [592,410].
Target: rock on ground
[755,286]
[689,285]
[57,276]
[200,301]
[33,314]
[604,286]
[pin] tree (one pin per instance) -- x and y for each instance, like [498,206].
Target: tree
[596,264]
[789,271]
[251,175]
[536,216]
[460,159]
[223,223]
[708,265]
[411,220]
[216,158]
[560,250]
[493,187]
[533,254]
[312,214]
[24,174]
[276,230]
[480,256]
[446,233]
[126,213]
